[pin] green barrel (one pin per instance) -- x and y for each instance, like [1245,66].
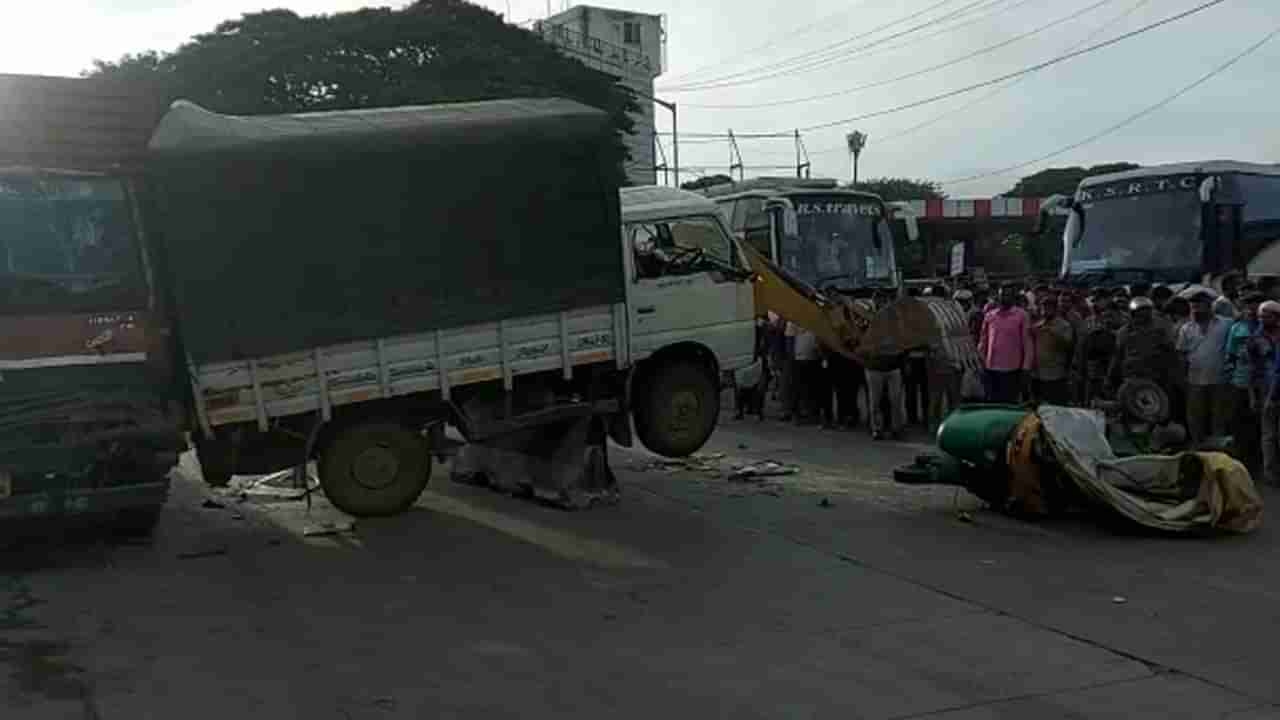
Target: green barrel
[979,433]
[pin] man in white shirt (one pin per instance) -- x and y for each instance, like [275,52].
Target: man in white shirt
[1202,342]
[807,367]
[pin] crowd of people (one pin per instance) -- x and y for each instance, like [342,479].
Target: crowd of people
[1215,355]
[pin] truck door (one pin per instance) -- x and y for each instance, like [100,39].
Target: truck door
[687,285]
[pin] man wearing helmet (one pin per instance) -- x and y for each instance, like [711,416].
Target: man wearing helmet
[1144,348]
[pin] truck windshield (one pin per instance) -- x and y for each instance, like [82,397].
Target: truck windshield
[839,241]
[66,244]
[1153,224]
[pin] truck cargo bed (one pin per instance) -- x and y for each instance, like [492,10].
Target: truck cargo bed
[319,379]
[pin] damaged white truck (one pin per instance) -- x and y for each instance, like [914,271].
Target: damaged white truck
[338,287]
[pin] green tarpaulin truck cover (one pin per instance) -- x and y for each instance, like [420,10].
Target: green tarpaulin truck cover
[282,233]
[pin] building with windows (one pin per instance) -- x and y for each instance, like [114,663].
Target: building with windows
[631,47]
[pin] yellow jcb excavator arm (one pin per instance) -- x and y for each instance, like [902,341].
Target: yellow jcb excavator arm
[854,328]
[837,321]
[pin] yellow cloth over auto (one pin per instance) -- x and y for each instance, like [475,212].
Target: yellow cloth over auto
[1186,492]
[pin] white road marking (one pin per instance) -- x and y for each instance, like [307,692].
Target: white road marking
[566,545]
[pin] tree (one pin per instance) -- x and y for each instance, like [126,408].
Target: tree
[1042,252]
[895,189]
[433,51]
[1062,181]
[706,181]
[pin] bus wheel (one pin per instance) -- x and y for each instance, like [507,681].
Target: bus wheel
[375,469]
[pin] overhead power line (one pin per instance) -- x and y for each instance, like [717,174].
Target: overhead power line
[698,169]
[781,65]
[861,54]
[910,130]
[988,83]
[872,48]
[916,73]
[802,30]
[1128,120]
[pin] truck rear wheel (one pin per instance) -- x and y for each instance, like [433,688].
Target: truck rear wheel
[677,408]
[375,469]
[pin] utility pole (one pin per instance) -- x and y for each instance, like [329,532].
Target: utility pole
[675,139]
[857,141]
[735,159]
[802,158]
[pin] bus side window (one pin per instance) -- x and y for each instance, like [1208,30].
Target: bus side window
[755,228]
[736,212]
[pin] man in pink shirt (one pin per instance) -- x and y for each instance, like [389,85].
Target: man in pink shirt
[1006,348]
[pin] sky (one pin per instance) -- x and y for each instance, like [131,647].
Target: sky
[1232,116]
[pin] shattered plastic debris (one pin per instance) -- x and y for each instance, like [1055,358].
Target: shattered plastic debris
[708,464]
[768,468]
[328,528]
[281,485]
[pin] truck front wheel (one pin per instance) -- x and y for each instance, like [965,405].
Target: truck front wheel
[375,469]
[677,408]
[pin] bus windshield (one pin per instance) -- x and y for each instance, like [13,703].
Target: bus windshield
[1148,224]
[839,241]
[66,243]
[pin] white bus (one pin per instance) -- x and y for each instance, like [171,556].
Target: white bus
[829,237]
[1187,222]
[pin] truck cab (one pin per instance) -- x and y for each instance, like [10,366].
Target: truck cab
[691,312]
[87,422]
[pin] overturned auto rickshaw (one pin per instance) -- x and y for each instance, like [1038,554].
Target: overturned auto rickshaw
[1042,461]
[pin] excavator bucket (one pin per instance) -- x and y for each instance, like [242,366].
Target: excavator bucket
[911,323]
[837,321]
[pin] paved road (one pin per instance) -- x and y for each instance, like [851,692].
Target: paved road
[696,597]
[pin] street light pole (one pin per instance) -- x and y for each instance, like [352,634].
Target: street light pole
[675,130]
[675,140]
[857,141]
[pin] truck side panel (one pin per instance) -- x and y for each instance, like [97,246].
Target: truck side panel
[260,389]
